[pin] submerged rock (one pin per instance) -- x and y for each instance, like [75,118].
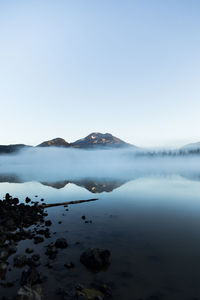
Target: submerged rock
[48,223]
[29,293]
[38,239]
[69,265]
[35,257]
[29,250]
[20,260]
[90,294]
[30,277]
[3,269]
[61,243]
[95,258]
[51,251]
[4,254]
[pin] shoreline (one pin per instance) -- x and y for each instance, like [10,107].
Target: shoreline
[28,221]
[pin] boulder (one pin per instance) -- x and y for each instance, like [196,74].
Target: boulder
[61,243]
[95,258]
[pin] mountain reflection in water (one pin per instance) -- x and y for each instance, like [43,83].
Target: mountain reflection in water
[97,186]
[150,225]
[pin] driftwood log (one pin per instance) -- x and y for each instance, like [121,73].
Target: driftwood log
[66,203]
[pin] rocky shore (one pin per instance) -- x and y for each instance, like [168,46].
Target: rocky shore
[28,221]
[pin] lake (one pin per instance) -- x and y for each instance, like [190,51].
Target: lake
[150,224]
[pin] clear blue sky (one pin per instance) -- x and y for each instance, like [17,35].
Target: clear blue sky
[131,68]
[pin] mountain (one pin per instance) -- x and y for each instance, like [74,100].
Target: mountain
[12,148]
[93,140]
[57,142]
[101,140]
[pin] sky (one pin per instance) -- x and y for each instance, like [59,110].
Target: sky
[130,68]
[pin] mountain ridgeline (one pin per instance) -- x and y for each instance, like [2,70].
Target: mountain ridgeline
[97,140]
[93,140]
[58,142]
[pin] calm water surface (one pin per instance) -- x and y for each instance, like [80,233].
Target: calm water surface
[151,225]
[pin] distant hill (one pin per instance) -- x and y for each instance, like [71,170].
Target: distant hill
[101,140]
[97,140]
[12,148]
[57,142]
[93,140]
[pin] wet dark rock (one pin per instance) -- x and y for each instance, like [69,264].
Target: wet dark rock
[50,264]
[63,293]
[83,217]
[48,223]
[32,263]
[4,254]
[30,293]
[104,287]
[79,287]
[38,239]
[29,250]
[51,251]
[14,201]
[6,298]
[69,292]
[45,232]
[106,290]
[20,260]
[7,197]
[77,291]
[95,258]
[7,284]
[21,235]
[15,215]
[90,293]
[69,265]
[12,249]
[27,200]
[30,277]
[3,269]
[10,224]
[3,237]
[61,243]
[60,222]
[6,251]
[35,257]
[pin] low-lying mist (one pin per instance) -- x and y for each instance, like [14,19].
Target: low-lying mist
[56,164]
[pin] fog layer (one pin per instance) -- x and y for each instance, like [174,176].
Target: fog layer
[54,164]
